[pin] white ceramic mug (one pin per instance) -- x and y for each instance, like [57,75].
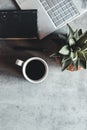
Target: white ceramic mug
[34,69]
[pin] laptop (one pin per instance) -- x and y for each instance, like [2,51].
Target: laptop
[52,14]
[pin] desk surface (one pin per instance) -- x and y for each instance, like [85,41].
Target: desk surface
[59,103]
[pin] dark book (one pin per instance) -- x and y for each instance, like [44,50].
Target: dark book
[18,24]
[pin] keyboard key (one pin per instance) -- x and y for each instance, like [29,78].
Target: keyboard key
[60,11]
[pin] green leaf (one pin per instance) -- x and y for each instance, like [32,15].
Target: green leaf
[75,63]
[64,50]
[85,41]
[80,32]
[71,32]
[83,38]
[71,41]
[81,55]
[74,56]
[83,64]
[56,54]
[65,58]
[84,48]
[86,56]
[66,63]
[76,35]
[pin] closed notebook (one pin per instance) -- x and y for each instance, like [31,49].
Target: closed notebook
[18,24]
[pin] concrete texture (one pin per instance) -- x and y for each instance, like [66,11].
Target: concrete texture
[58,103]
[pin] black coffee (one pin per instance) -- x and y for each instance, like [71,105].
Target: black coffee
[35,69]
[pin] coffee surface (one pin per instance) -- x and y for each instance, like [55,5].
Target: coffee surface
[35,69]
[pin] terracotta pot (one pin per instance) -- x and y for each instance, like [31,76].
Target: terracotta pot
[70,67]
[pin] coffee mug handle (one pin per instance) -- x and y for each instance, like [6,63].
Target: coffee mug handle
[19,62]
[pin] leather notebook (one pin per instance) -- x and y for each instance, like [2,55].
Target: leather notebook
[18,24]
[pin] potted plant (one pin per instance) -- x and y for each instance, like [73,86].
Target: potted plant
[73,53]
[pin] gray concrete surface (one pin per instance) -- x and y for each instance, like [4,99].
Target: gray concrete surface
[58,103]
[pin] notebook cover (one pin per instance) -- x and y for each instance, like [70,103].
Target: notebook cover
[18,24]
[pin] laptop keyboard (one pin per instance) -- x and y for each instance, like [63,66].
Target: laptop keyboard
[60,11]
